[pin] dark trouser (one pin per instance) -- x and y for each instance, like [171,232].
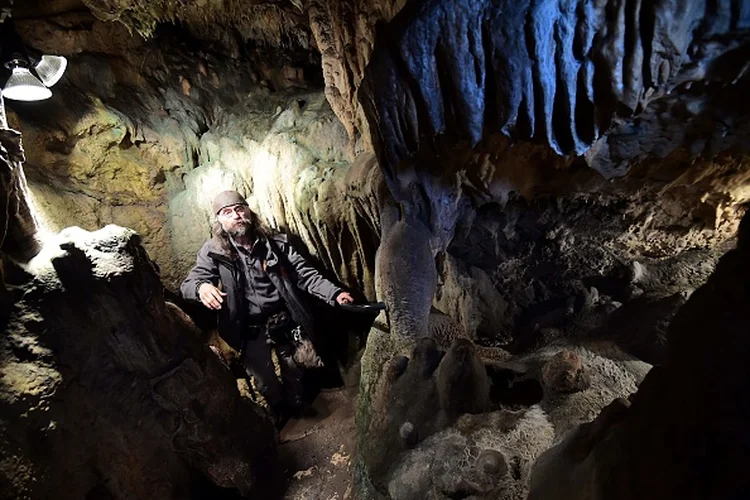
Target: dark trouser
[257,361]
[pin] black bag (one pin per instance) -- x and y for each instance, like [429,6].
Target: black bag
[283,330]
[305,354]
[304,350]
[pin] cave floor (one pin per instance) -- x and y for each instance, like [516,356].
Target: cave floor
[316,449]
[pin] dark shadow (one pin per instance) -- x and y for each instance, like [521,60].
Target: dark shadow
[201,488]
[203,317]
[511,388]
[615,285]
[639,327]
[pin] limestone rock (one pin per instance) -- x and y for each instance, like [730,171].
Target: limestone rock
[107,389]
[204,120]
[565,373]
[145,177]
[18,239]
[486,456]
[610,374]
[444,330]
[200,123]
[262,22]
[529,290]
[492,462]
[399,415]
[405,246]
[684,414]
[344,32]
[462,382]
[299,178]
[421,416]
[467,293]
[424,82]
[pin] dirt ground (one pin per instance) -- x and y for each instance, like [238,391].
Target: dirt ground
[316,450]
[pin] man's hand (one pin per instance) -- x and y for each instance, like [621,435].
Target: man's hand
[211,296]
[344,298]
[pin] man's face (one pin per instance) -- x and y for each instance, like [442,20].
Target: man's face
[235,219]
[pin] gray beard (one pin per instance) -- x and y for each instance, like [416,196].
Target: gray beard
[240,231]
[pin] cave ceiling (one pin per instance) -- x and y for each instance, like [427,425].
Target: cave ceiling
[611,83]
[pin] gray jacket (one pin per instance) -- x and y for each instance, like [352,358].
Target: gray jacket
[286,268]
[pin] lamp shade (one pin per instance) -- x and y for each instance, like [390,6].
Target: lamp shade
[50,69]
[23,86]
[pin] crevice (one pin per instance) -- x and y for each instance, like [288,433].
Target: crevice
[604,102]
[633,57]
[126,142]
[533,99]
[515,468]
[492,105]
[585,112]
[736,10]
[525,122]
[646,29]
[579,51]
[449,93]
[563,126]
[511,388]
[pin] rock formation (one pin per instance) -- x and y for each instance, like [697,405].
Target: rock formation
[205,119]
[448,94]
[533,188]
[562,72]
[437,428]
[437,133]
[153,162]
[106,389]
[682,435]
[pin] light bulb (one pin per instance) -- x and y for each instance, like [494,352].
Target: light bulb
[50,69]
[23,86]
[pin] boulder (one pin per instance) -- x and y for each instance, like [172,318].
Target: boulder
[106,390]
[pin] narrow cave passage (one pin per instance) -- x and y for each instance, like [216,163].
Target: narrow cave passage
[322,249]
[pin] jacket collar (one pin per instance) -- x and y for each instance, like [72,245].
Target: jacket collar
[266,253]
[216,251]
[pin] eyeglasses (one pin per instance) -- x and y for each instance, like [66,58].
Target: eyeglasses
[234,209]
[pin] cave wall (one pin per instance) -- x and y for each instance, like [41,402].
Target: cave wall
[108,391]
[532,88]
[560,72]
[528,262]
[143,133]
[477,111]
[520,243]
[682,435]
[345,33]
[531,92]
[341,33]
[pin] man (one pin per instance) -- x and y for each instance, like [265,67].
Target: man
[256,280]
